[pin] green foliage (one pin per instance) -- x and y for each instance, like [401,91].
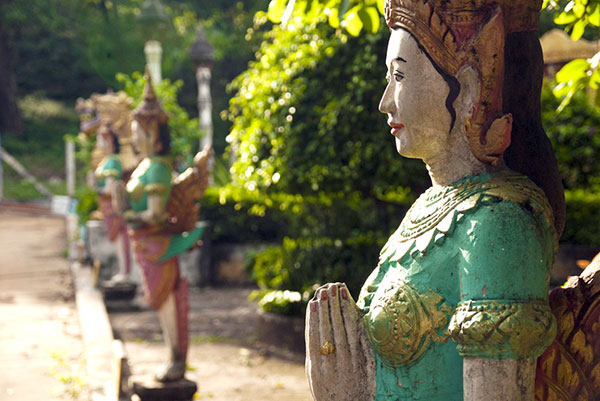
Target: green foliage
[302,264]
[87,202]
[352,15]
[575,139]
[324,237]
[291,134]
[284,302]
[239,215]
[577,16]
[185,134]
[583,213]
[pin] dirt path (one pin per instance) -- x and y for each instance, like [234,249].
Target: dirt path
[226,359]
[40,344]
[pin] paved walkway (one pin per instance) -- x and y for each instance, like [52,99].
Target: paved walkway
[41,350]
[40,343]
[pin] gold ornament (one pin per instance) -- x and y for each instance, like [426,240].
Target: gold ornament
[327,348]
[435,213]
[403,322]
[483,328]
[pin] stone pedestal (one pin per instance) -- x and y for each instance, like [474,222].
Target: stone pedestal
[151,390]
[118,295]
[100,248]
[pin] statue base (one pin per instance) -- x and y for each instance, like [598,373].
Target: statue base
[152,390]
[118,290]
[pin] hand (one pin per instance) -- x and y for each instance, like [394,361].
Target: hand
[339,360]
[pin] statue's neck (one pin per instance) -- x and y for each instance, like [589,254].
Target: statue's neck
[451,166]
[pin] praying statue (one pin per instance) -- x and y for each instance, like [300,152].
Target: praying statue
[457,307]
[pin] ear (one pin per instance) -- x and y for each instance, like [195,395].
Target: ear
[470,92]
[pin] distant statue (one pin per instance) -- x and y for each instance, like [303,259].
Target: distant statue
[107,174]
[161,214]
[457,308]
[108,116]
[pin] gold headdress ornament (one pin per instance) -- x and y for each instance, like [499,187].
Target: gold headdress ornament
[460,33]
[150,110]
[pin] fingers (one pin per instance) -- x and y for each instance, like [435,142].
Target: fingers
[340,337]
[312,339]
[351,317]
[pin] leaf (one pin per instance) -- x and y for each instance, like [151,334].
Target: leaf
[276,9]
[595,80]
[381,6]
[578,29]
[579,9]
[334,21]
[370,18]
[353,23]
[345,4]
[564,18]
[573,71]
[594,18]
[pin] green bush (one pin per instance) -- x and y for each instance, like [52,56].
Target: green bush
[575,139]
[239,215]
[583,215]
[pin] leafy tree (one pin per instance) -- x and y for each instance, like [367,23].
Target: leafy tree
[352,15]
[577,17]
[305,116]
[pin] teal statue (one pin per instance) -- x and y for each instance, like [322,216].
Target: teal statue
[457,307]
[161,212]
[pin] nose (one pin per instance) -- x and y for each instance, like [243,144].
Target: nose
[386,104]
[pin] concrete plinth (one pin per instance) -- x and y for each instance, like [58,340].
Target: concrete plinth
[151,390]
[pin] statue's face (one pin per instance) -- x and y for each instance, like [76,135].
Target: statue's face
[140,138]
[415,100]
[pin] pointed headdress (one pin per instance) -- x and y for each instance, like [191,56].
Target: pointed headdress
[150,110]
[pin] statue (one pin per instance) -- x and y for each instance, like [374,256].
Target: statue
[107,174]
[109,117]
[457,308]
[161,215]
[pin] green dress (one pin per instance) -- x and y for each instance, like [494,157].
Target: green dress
[465,275]
[153,177]
[110,166]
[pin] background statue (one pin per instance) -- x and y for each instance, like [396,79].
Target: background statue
[107,174]
[161,214]
[108,116]
[457,307]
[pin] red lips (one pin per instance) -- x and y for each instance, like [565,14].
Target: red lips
[396,127]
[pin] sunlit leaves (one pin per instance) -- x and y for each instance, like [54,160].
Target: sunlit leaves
[355,16]
[276,9]
[576,16]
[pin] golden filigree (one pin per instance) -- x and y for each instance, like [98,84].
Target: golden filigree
[513,329]
[435,213]
[402,323]
[569,370]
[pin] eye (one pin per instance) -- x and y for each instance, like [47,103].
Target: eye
[398,76]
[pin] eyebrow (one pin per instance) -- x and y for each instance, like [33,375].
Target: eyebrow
[400,59]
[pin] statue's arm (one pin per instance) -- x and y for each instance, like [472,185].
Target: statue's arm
[503,322]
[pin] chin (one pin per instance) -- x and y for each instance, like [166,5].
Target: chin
[403,148]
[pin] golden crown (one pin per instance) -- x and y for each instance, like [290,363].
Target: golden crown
[446,28]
